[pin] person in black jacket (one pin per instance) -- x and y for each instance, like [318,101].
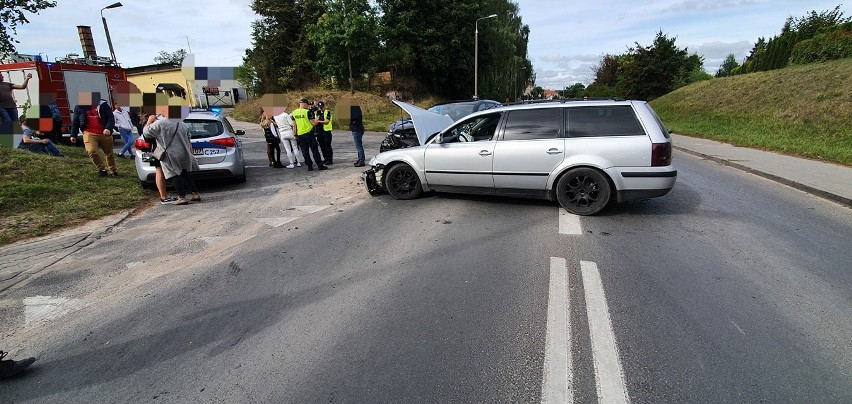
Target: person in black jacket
[93,116]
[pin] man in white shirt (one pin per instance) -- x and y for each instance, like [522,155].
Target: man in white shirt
[125,128]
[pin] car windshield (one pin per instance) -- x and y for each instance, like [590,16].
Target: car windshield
[455,110]
[204,128]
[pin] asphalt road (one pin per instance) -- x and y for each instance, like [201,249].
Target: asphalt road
[300,287]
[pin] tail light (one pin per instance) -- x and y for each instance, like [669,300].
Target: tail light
[140,144]
[226,142]
[661,154]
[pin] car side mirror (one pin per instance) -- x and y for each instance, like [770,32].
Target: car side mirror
[240,132]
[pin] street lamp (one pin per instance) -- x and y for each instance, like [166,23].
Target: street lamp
[109,41]
[476,55]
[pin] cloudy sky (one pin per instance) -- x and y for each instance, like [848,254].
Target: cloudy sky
[567,38]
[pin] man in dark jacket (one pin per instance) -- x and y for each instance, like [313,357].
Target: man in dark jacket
[93,116]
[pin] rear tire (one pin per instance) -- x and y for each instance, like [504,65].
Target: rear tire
[583,191]
[148,185]
[402,182]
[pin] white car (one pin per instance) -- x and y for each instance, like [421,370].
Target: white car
[214,144]
[584,154]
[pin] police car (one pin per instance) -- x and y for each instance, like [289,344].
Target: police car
[214,143]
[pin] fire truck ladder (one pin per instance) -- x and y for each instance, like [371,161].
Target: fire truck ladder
[57,78]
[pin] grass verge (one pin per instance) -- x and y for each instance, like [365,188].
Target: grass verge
[803,110]
[40,193]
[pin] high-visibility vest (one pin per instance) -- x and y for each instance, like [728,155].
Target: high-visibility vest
[303,123]
[327,127]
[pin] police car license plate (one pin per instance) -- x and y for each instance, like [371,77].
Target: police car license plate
[206,151]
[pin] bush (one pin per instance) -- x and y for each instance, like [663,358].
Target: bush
[833,45]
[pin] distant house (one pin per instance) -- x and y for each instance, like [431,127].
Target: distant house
[189,85]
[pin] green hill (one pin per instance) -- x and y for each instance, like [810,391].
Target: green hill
[802,110]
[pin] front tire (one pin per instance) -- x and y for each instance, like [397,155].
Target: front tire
[583,191]
[402,182]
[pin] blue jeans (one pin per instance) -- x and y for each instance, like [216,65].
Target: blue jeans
[7,118]
[358,137]
[8,114]
[127,137]
[43,148]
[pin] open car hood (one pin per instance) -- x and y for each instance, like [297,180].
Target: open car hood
[425,122]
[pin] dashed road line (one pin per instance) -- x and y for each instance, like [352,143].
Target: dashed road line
[569,223]
[609,376]
[276,221]
[557,376]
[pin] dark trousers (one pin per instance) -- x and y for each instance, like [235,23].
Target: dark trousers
[273,152]
[324,140]
[308,145]
[184,184]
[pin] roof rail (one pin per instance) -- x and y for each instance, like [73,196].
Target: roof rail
[564,100]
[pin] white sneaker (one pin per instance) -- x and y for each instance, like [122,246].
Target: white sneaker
[291,166]
[298,164]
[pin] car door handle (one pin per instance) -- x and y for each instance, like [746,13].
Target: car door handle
[484,153]
[554,151]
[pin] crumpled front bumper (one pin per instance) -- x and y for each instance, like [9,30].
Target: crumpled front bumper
[372,179]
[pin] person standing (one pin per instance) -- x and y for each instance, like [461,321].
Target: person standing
[273,141]
[356,126]
[8,106]
[323,130]
[94,117]
[288,137]
[304,121]
[175,155]
[56,131]
[125,128]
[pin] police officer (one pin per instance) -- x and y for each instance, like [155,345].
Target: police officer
[305,120]
[323,131]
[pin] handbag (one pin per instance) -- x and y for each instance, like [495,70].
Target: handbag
[157,154]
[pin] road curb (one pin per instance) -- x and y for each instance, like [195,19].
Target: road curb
[793,184]
[48,250]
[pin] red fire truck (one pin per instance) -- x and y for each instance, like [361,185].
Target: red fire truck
[62,80]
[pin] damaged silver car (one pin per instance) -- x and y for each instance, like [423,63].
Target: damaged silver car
[583,154]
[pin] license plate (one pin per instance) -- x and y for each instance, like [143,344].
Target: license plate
[207,151]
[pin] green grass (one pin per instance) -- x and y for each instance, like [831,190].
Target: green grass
[803,110]
[40,193]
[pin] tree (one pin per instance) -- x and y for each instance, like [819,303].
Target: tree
[428,47]
[281,54]
[12,15]
[346,40]
[174,58]
[728,66]
[574,91]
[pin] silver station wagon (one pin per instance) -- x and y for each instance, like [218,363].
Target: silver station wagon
[583,154]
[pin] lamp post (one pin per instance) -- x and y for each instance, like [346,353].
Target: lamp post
[476,55]
[106,29]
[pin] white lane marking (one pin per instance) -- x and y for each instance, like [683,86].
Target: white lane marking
[310,208]
[557,378]
[569,223]
[608,372]
[40,308]
[276,221]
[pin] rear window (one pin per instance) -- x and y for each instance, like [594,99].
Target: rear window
[203,128]
[616,120]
